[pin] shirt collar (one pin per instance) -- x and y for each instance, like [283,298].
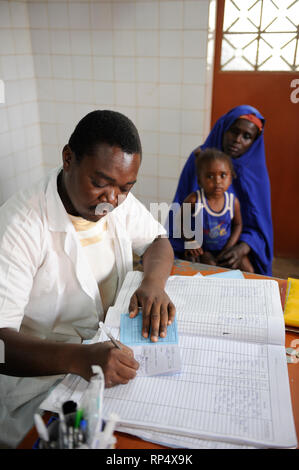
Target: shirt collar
[57,216]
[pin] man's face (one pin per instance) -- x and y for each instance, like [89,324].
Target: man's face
[239,137]
[107,176]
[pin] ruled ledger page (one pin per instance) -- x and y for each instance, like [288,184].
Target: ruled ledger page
[233,387]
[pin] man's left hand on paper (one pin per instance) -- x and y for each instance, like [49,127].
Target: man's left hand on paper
[151,300]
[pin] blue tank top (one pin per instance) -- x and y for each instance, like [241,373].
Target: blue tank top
[216,225]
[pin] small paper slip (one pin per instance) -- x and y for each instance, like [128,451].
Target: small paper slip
[161,359]
[131,332]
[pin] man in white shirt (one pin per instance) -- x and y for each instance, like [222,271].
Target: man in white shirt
[62,262]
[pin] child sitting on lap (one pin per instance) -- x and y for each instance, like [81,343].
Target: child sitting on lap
[221,216]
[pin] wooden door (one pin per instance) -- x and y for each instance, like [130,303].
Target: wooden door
[276,96]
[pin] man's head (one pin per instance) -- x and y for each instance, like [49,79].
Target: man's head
[100,164]
[104,127]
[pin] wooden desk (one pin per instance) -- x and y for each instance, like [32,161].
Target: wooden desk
[126,441]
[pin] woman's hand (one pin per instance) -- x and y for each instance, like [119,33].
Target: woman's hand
[232,257]
[157,309]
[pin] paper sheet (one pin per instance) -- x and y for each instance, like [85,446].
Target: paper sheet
[244,309]
[224,392]
[230,391]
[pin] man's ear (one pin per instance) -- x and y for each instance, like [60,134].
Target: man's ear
[67,157]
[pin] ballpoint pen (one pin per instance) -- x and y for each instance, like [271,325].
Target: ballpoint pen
[107,332]
[42,430]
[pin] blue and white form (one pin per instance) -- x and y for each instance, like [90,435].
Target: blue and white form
[131,332]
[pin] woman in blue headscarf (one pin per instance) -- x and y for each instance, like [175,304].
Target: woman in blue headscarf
[239,133]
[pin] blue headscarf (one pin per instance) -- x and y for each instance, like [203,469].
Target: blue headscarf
[252,187]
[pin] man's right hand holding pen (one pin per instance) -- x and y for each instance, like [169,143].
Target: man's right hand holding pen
[118,365]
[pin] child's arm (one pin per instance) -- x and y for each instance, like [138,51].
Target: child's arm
[191,253]
[236,228]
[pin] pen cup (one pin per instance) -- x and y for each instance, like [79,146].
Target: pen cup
[73,438]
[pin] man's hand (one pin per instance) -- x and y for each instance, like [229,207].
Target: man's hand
[118,365]
[157,309]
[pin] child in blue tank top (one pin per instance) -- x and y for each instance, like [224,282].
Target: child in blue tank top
[221,216]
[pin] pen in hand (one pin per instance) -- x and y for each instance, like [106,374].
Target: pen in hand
[107,332]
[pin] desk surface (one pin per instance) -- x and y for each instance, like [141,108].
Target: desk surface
[126,441]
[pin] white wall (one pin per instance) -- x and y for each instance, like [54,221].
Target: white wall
[20,143]
[147,59]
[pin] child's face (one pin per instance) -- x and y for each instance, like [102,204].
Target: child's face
[215,178]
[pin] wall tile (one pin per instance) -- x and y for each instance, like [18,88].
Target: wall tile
[5,19]
[103,68]
[147,43]
[196,14]
[147,69]
[42,65]
[194,71]
[124,69]
[38,15]
[170,95]
[124,43]
[170,121]
[83,91]
[22,41]
[58,15]
[80,42]
[150,12]
[101,15]
[195,43]
[40,40]
[123,15]
[61,66]
[81,67]
[171,70]
[79,16]
[103,93]
[171,43]
[169,144]
[148,94]
[125,94]
[102,43]
[19,15]
[171,15]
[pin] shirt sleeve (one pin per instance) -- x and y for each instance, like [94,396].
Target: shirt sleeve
[141,226]
[20,249]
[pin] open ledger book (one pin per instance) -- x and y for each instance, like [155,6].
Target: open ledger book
[233,388]
[234,384]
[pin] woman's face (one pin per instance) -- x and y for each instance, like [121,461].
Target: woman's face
[239,137]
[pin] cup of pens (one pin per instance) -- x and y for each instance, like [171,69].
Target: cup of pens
[69,431]
[80,427]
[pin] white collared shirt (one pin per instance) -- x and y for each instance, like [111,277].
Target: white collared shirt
[47,287]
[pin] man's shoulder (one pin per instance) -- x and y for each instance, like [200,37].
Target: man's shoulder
[29,201]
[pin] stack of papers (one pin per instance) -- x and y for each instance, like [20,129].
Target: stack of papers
[232,390]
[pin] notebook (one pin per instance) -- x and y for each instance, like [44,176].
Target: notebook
[233,386]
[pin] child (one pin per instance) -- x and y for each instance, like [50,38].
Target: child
[222,221]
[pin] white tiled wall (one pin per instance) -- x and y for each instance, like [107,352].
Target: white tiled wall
[20,142]
[147,59]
